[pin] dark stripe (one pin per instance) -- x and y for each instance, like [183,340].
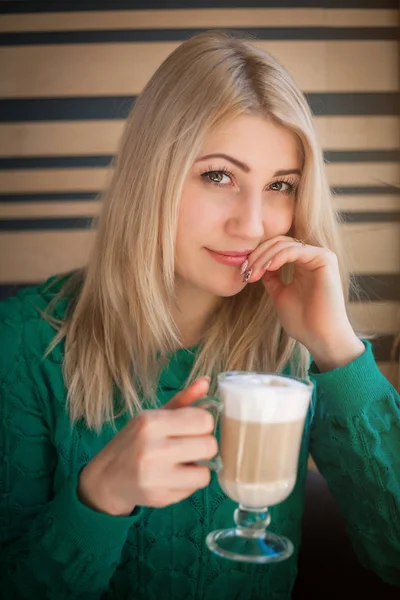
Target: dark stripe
[117,107]
[370,217]
[29,6]
[382,344]
[373,288]
[50,197]
[32,38]
[96,195]
[368,103]
[377,288]
[352,156]
[7,290]
[56,162]
[55,223]
[104,160]
[65,109]
[353,190]
[46,224]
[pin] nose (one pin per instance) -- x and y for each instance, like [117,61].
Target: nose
[246,219]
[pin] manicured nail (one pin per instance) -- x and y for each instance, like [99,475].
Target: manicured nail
[247,275]
[267,265]
[244,267]
[202,380]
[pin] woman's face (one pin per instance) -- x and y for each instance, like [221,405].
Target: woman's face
[239,192]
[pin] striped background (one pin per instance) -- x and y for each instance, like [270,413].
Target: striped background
[69,72]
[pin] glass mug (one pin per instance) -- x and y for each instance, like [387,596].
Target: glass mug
[262,422]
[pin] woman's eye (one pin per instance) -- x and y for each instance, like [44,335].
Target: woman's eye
[279,187]
[217,177]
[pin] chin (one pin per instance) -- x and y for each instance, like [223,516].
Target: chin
[225,289]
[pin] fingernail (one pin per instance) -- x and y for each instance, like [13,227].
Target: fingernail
[244,267]
[267,265]
[247,275]
[204,378]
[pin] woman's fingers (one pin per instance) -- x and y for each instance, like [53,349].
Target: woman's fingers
[190,449]
[273,284]
[164,497]
[310,257]
[193,392]
[264,247]
[181,422]
[191,477]
[177,477]
[264,261]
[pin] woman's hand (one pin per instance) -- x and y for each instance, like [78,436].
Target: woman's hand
[312,307]
[150,462]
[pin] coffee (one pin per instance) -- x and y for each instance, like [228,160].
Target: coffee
[261,430]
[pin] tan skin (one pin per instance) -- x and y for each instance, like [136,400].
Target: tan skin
[150,461]
[226,205]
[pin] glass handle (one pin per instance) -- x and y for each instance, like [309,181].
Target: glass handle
[213,406]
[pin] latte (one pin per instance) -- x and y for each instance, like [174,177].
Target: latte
[261,430]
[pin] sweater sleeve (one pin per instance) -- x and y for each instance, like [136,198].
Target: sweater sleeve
[355,442]
[52,546]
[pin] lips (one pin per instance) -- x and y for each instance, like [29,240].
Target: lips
[231,259]
[242,253]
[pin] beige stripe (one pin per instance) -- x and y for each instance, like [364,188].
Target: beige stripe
[373,247]
[367,203]
[175,18]
[102,137]
[108,69]
[349,69]
[311,464]
[31,256]
[34,256]
[69,138]
[369,174]
[93,179]
[375,317]
[15,210]
[391,370]
[359,132]
[23,210]
[53,180]
[79,69]
[361,18]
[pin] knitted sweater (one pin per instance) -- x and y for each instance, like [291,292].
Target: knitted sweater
[55,547]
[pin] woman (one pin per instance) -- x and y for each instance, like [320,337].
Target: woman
[198,268]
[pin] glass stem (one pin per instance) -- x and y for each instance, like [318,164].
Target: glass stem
[251,522]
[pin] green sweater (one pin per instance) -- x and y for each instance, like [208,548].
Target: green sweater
[54,547]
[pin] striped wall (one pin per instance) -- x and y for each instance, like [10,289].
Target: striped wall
[69,76]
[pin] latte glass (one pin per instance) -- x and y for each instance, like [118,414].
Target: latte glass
[262,421]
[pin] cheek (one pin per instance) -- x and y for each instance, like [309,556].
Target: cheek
[197,216]
[190,227]
[280,221]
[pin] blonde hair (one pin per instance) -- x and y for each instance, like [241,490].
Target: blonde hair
[119,331]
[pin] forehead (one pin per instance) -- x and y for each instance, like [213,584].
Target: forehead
[257,141]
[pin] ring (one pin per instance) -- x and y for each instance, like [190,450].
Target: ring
[299,241]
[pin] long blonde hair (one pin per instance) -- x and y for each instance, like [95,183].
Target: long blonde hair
[120,332]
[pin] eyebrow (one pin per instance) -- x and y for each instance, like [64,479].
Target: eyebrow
[245,167]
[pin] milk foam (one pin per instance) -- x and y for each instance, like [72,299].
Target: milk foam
[264,398]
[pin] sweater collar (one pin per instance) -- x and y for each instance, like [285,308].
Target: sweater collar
[177,369]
